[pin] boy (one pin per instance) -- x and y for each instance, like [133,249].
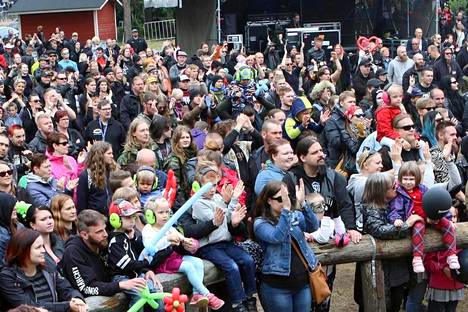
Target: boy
[149,183]
[125,247]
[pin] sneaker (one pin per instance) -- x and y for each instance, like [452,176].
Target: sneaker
[251,304]
[214,302]
[418,266]
[453,263]
[239,308]
[199,301]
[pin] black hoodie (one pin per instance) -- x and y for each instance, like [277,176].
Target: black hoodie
[86,270]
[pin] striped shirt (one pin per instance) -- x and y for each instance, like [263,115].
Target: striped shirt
[41,287]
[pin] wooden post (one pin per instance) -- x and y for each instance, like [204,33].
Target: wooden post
[373,296]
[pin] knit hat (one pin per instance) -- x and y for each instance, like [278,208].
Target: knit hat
[215,79]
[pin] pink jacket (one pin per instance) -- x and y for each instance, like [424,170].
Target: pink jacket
[64,166]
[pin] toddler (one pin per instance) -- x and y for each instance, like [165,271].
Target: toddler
[149,183]
[409,201]
[170,252]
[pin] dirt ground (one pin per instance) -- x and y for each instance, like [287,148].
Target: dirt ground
[343,289]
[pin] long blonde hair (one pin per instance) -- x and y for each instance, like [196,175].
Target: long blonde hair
[178,150]
[132,143]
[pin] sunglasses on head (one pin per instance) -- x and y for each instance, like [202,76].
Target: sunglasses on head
[407,128]
[4,173]
[279,199]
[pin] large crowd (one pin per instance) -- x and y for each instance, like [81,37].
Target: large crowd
[100,144]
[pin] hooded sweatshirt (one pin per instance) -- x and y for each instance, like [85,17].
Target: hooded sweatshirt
[8,204]
[270,173]
[397,68]
[87,270]
[356,191]
[293,127]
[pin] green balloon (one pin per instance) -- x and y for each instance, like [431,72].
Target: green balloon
[146,297]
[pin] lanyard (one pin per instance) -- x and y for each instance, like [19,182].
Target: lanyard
[103,130]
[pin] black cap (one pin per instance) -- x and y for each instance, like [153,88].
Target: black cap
[381,71]
[374,82]
[364,62]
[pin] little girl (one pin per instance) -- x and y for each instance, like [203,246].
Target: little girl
[409,201]
[170,249]
[444,291]
[218,247]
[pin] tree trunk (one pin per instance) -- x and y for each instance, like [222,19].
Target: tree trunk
[127,17]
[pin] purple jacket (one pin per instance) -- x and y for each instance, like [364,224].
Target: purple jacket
[401,206]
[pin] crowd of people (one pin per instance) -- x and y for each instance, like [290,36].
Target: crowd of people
[301,145]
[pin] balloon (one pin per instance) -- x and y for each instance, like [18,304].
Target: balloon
[461,275]
[170,191]
[176,301]
[147,298]
[363,43]
[205,188]
[436,202]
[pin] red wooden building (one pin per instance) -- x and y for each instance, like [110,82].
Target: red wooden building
[88,18]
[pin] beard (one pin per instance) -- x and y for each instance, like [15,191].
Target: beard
[102,245]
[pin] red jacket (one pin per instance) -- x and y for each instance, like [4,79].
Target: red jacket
[435,262]
[384,116]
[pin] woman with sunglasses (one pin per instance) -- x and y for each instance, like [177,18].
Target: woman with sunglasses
[279,228]
[24,281]
[8,221]
[447,66]
[8,185]
[62,165]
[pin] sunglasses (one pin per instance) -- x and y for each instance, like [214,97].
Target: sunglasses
[63,143]
[61,78]
[454,81]
[4,173]
[289,64]
[279,199]
[437,120]
[359,115]
[448,53]
[369,155]
[431,108]
[407,128]
[35,101]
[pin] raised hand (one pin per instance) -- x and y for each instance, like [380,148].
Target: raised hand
[238,190]
[218,216]
[238,215]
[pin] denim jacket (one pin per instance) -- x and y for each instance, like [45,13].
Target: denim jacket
[276,240]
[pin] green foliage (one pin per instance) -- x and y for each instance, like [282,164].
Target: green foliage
[457,4]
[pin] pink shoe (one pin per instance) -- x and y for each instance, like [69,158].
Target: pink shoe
[418,266]
[214,302]
[199,301]
[453,263]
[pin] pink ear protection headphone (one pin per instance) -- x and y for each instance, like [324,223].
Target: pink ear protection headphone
[385,97]
[341,240]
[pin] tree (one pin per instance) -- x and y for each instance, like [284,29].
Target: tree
[127,18]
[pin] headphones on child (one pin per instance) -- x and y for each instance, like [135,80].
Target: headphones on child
[114,217]
[146,168]
[150,216]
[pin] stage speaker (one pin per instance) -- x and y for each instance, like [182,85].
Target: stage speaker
[230,24]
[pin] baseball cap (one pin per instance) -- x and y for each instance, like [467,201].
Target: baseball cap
[364,62]
[151,79]
[134,30]
[181,53]
[123,208]
[381,71]
[374,82]
[416,92]
[183,77]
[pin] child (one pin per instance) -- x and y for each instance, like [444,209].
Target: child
[444,291]
[218,247]
[408,202]
[328,227]
[150,183]
[12,115]
[384,114]
[124,248]
[131,195]
[157,214]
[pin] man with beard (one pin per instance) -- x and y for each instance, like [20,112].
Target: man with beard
[44,128]
[404,126]
[18,152]
[317,178]
[149,107]
[399,65]
[83,264]
[444,153]
[414,72]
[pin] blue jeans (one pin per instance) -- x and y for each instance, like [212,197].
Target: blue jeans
[193,268]
[416,296]
[285,300]
[135,295]
[237,266]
